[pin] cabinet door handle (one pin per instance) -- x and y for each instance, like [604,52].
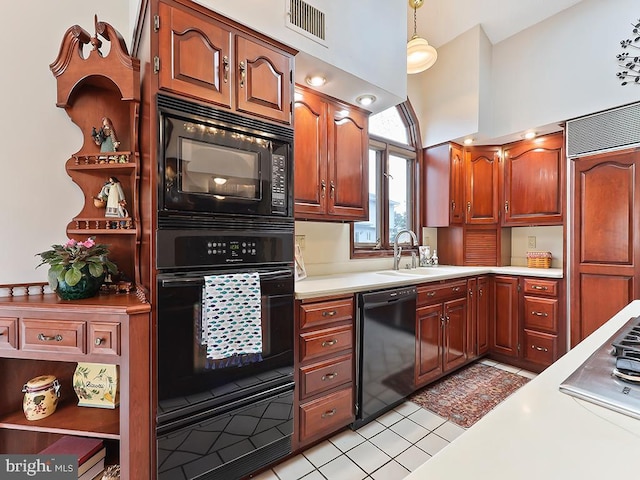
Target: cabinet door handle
[506,206]
[323,188]
[468,206]
[540,314]
[46,338]
[243,73]
[329,413]
[538,287]
[99,341]
[329,376]
[480,292]
[431,293]
[329,313]
[225,68]
[453,205]
[471,292]
[540,349]
[329,343]
[332,189]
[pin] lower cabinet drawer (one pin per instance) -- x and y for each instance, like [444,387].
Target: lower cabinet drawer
[540,347]
[104,338]
[325,341]
[319,377]
[541,313]
[52,336]
[326,414]
[8,333]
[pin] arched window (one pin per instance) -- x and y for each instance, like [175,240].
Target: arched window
[393,187]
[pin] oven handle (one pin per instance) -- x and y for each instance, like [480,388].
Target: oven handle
[189,281]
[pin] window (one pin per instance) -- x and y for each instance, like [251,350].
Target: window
[392,182]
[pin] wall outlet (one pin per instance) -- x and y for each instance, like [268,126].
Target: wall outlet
[300,241]
[531,242]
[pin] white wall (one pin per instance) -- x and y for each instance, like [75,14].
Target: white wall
[561,68]
[38,198]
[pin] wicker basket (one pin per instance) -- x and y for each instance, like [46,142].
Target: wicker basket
[538,259]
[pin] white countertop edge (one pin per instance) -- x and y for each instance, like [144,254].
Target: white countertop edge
[353,282]
[540,432]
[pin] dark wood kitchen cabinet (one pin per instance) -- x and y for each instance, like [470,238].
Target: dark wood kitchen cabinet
[444,185]
[441,329]
[605,262]
[482,169]
[541,316]
[205,56]
[533,181]
[506,319]
[324,365]
[331,159]
[479,303]
[41,334]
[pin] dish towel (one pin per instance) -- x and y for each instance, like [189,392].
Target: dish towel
[232,319]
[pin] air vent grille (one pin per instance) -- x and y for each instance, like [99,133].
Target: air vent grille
[610,130]
[307,19]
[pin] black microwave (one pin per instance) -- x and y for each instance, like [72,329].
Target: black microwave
[216,162]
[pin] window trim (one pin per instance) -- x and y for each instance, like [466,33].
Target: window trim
[408,117]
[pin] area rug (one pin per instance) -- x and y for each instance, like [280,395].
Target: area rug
[465,396]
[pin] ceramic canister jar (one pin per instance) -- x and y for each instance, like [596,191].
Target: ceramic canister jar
[40,397]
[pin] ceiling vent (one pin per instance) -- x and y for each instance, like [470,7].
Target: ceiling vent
[307,20]
[605,131]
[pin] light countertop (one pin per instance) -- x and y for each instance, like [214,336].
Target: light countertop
[542,433]
[318,286]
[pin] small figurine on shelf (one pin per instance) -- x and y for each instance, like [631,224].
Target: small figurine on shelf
[113,195]
[106,139]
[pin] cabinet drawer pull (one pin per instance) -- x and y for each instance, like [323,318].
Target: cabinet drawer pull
[225,68]
[243,74]
[455,289]
[329,413]
[329,343]
[540,314]
[431,294]
[329,313]
[538,287]
[99,341]
[46,338]
[329,376]
[540,349]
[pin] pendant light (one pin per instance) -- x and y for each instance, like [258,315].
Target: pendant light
[420,55]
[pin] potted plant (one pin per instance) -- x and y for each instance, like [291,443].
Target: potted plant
[77,269]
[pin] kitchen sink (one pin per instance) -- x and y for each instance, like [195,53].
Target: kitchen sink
[415,272]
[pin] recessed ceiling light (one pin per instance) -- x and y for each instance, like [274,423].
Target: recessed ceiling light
[468,141]
[366,100]
[316,80]
[529,135]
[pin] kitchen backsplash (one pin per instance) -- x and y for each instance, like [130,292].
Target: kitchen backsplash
[326,248]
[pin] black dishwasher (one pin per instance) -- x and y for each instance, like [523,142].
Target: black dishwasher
[385,347]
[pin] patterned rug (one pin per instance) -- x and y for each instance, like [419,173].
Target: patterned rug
[465,396]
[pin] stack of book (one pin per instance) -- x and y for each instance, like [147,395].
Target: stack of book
[89,451]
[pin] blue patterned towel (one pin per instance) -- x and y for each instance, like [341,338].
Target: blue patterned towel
[232,319]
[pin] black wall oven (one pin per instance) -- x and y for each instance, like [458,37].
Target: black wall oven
[227,422]
[219,163]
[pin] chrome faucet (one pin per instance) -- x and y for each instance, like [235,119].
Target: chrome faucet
[397,250]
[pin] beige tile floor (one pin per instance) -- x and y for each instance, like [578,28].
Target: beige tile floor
[390,447]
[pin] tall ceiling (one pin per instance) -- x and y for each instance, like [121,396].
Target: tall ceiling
[440,21]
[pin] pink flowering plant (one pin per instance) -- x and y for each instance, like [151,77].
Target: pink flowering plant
[69,261]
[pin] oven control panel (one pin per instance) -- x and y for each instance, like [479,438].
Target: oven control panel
[232,249]
[178,249]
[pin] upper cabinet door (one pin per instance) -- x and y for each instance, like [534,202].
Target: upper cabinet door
[348,141]
[310,154]
[264,80]
[534,181]
[194,56]
[481,185]
[456,200]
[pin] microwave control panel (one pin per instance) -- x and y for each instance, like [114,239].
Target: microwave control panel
[278,184]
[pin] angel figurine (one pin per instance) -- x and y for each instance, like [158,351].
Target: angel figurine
[106,137]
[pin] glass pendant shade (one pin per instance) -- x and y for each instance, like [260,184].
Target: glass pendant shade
[420,55]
